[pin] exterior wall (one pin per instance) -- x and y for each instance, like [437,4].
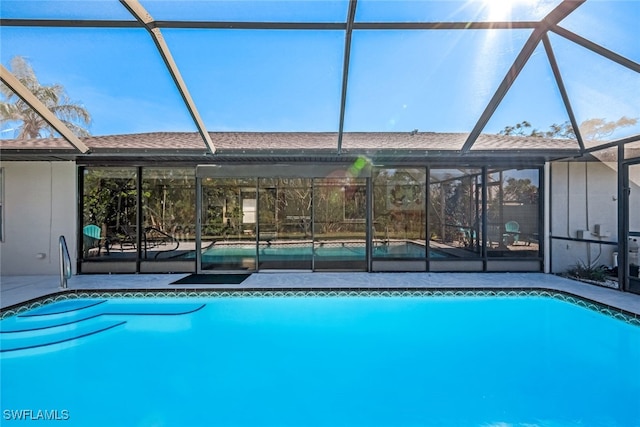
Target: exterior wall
[40,205]
[583,194]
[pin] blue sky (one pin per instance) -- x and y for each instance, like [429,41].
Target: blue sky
[258,80]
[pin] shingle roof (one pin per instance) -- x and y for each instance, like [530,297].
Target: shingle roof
[238,142]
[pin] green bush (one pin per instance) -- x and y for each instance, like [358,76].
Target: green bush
[582,271]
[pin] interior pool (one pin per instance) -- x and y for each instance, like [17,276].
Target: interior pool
[336,360]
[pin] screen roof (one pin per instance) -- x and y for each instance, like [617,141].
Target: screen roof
[464,68]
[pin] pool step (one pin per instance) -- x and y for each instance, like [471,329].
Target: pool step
[53,315]
[62,307]
[46,317]
[162,309]
[56,335]
[72,319]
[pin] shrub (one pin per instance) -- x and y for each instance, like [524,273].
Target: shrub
[583,271]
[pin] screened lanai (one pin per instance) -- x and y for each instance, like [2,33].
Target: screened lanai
[365,135]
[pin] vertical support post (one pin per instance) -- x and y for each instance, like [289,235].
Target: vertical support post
[198,225]
[545,233]
[623,224]
[369,223]
[257,218]
[485,192]
[80,220]
[140,220]
[427,201]
[313,224]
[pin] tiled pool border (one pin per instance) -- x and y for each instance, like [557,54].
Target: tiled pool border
[615,312]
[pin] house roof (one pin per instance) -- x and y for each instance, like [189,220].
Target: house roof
[293,144]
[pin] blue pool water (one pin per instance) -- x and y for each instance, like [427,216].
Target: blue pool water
[321,361]
[226,252]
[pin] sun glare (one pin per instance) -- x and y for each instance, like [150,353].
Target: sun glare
[499,10]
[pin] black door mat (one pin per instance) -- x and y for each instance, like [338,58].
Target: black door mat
[212,279]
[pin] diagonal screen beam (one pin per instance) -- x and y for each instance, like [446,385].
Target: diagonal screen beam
[610,55]
[563,92]
[25,94]
[555,16]
[345,69]
[139,12]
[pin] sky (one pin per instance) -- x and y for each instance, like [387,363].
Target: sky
[290,80]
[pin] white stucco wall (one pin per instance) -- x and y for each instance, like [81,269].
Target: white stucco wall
[39,206]
[583,194]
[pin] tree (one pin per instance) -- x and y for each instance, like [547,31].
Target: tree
[591,130]
[521,190]
[29,123]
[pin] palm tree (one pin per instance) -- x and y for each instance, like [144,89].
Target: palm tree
[14,110]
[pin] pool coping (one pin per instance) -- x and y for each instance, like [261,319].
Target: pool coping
[306,292]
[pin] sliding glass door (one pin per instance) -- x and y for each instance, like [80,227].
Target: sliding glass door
[228,224]
[284,224]
[339,224]
[282,217]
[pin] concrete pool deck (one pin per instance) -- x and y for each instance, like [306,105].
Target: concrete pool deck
[18,289]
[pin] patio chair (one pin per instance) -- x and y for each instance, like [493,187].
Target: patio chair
[125,237]
[494,236]
[511,234]
[91,238]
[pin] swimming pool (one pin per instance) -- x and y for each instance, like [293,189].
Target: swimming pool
[310,358]
[222,251]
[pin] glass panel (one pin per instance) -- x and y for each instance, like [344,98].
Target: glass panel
[228,224]
[109,217]
[64,9]
[611,24]
[426,81]
[262,80]
[454,213]
[339,224]
[632,150]
[169,209]
[605,96]
[117,75]
[452,10]
[532,107]
[284,210]
[399,217]
[634,228]
[249,10]
[513,221]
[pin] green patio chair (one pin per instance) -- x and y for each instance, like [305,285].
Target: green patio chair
[91,238]
[511,234]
